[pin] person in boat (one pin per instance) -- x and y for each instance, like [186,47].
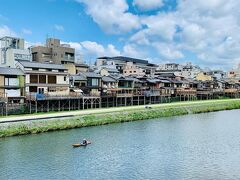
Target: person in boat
[84,142]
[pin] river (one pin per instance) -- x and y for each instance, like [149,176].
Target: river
[199,146]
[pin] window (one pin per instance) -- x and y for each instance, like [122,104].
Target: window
[40,90]
[94,82]
[65,78]
[130,71]
[33,78]
[52,79]
[134,71]
[52,89]
[83,84]
[33,89]
[42,79]
[34,56]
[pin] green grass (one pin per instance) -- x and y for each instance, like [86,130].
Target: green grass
[35,127]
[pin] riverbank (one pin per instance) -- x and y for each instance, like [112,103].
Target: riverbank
[113,115]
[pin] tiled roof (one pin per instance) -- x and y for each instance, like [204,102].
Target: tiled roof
[81,65]
[108,79]
[10,71]
[90,74]
[79,77]
[28,64]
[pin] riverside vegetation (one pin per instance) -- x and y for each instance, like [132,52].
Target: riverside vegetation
[22,128]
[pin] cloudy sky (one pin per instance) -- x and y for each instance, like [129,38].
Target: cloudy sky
[206,32]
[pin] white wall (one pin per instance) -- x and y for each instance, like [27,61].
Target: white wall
[13,92]
[27,78]
[60,80]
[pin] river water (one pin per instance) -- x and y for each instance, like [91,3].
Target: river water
[202,146]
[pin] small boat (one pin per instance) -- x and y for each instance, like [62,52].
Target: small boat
[80,144]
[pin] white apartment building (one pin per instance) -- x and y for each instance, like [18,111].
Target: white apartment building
[12,50]
[187,70]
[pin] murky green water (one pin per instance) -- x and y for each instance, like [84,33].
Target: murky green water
[203,146]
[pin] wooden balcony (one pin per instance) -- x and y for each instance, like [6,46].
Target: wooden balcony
[183,91]
[232,90]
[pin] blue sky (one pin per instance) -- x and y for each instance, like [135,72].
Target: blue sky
[206,33]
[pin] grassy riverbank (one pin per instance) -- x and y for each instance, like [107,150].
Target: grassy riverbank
[132,114]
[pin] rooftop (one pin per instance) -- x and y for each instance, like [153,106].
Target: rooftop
[90,74]
[126,59]
[11,71]
[78,77]
[108,79]
[28,64]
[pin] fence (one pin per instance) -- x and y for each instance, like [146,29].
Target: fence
[86,103]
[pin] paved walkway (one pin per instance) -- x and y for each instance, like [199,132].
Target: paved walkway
[30,117]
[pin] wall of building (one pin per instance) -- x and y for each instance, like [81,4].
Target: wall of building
[131,69]
[71,68]
[204,77]
[62,79]
[13,92]
[12,55]
[55,52]
[81,69]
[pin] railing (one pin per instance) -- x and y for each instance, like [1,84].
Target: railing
[3,97]
[182,91]
[47,96]
[69,58]
[232,90]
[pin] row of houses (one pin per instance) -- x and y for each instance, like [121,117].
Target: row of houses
[45,80]
[51,71]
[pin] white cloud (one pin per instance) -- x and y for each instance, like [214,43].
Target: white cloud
[58,27]
[134,51]
[26,31]
[168,51]
[112,51]
[6,31]
[92,50]
[198,27]
[112,15]
[146,5]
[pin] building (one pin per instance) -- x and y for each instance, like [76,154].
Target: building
[187,70]
[12,85]
[108,84]
[234,73]
[81,67]
[109,71]
[204,76]
[45,79]
[120,62]
[89,83]
[54,52]
[190,71]
[13,50]
[169,67]
[131,69]
[74,69]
